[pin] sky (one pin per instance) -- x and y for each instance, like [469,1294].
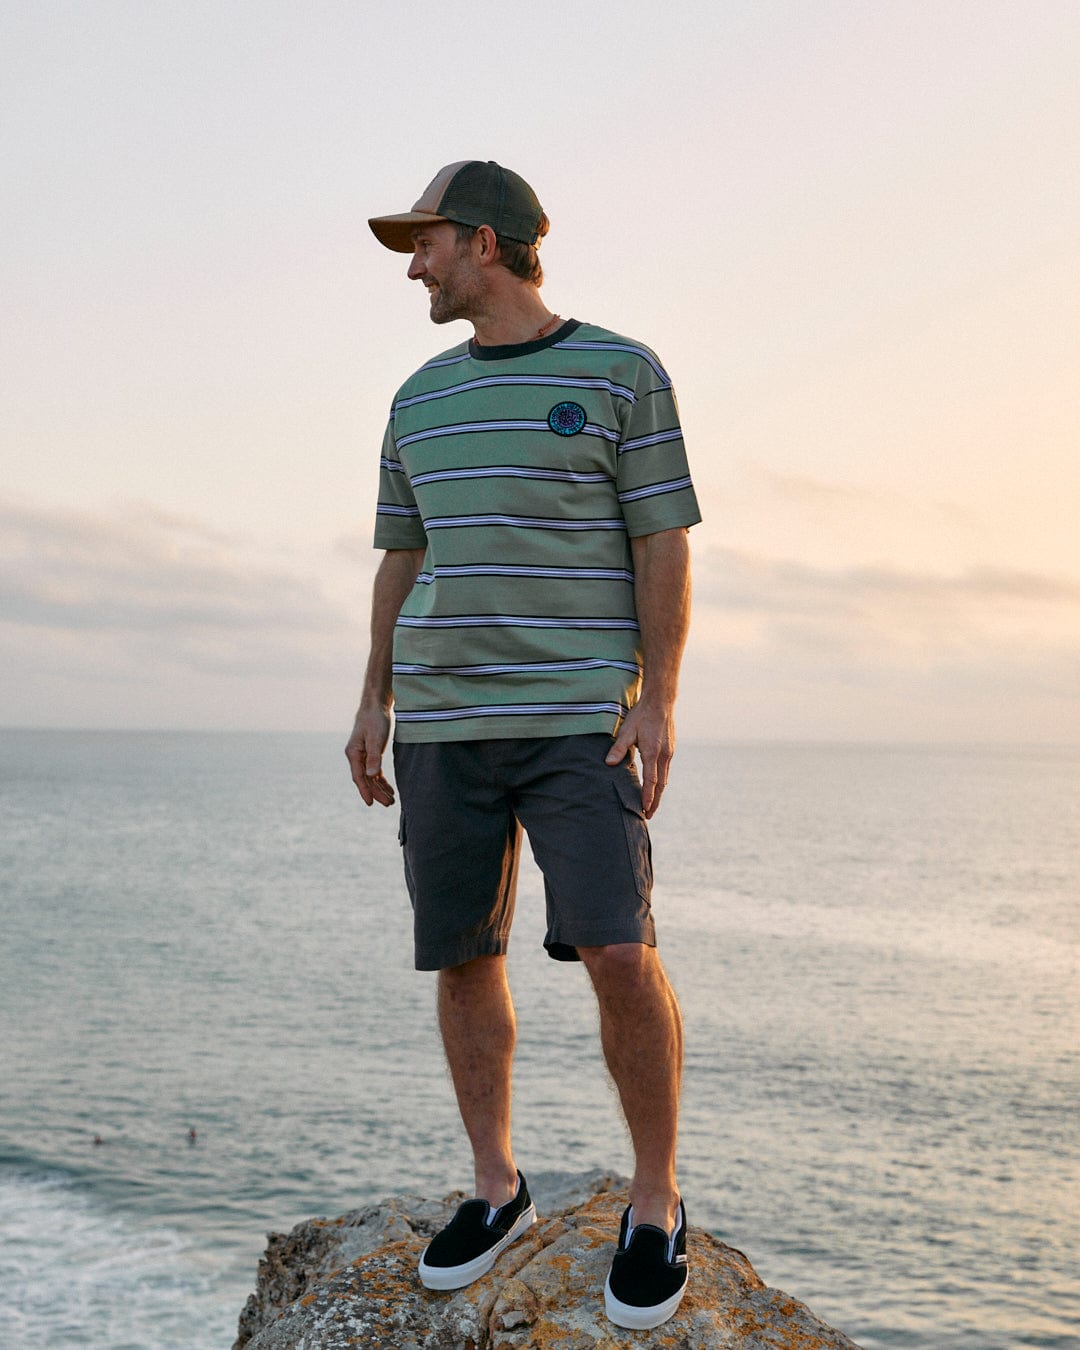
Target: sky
[850,230]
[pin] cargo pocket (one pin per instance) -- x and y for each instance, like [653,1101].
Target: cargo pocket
[638,844]
[403,839]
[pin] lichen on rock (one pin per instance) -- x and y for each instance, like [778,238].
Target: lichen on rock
[352,1282]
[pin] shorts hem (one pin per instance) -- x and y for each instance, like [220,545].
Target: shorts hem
[446,957]
[560,948]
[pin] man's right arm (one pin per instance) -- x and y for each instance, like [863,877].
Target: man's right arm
[371,729]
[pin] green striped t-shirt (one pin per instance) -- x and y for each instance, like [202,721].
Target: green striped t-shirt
[524,471]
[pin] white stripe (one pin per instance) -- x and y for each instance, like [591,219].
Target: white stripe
[525,522]
[538,381]
[509,621]
[515,668]
[473,428]
[445,361]
[657,438]
[497,570]
[655,489]
[510,710]
[511,471]
[646,356]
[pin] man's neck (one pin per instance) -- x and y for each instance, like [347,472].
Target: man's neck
[524,318]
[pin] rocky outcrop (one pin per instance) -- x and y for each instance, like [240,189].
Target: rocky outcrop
[351,1282]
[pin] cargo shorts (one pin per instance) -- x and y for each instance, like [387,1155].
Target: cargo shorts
[464,806]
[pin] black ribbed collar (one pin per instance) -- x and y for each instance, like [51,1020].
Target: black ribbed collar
[512,349]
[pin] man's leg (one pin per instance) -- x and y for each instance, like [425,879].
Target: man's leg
[476,1017]
[641,1034]
[477,1020]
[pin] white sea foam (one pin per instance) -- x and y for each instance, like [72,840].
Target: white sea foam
[74,1274]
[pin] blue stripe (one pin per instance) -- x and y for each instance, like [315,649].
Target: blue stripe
[533,381]
[511,471]
[655,489]
[515,668]
[510,621]
[508,570]
[444,361]
[657,438]
[525,522]
[646,356]
[474,428]
[511,710]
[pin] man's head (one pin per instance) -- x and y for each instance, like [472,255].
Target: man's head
[470,194]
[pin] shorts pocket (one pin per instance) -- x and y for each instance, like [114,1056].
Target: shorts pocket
[638,843]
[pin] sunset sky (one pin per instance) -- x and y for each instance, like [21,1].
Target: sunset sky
[851,231]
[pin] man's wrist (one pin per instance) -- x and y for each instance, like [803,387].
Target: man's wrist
[375,705]
[656,698]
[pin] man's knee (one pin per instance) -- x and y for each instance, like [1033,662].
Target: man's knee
[480,970]
[622,961]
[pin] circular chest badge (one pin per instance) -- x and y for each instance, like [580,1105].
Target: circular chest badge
[567,419]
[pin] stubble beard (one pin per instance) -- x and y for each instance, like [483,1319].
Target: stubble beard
[445,308]
[457,298]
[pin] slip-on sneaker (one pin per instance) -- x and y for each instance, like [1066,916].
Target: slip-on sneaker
[648,1273]
[473,1240]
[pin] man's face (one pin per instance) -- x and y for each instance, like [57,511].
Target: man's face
[445,265]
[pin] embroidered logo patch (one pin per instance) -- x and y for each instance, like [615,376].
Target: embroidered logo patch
[567,419]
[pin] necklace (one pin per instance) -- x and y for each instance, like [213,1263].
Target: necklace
[550,324]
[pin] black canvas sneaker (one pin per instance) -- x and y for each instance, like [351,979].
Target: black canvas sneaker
[472,1241]
[648,1273]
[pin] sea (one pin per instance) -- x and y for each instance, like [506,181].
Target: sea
[210,1029]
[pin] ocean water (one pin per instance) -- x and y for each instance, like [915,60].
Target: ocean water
[875,949]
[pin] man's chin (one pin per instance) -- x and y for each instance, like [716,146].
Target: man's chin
[441,311]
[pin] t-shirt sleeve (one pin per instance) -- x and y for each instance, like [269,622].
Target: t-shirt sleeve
[653,476]
[397,518]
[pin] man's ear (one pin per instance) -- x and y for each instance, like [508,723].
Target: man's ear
[487,246]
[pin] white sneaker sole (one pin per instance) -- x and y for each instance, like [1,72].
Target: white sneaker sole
[457,1277]
[640,1319]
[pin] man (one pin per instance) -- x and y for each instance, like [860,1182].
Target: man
[528,621]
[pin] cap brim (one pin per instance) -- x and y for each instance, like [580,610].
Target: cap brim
[396,232]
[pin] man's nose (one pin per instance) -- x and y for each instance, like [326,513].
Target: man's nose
[416,267]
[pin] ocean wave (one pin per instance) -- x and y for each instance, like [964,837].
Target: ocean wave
[76,1273]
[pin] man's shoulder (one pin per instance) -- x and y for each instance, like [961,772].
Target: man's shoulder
[431,371]
[605,342]
[596,332]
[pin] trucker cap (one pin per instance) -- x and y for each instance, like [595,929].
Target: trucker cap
[469,192]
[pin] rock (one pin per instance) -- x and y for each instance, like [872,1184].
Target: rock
[351,1282]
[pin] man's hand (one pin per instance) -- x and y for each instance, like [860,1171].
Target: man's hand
[370,732]
[652,730]
[662,600]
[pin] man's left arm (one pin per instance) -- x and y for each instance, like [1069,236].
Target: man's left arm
[662,598]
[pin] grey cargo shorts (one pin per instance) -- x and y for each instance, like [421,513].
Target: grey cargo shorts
[464,805]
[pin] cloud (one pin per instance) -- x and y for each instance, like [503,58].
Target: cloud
[132,616]
[806,490]
[860,608]
[138,569]
[135,616]
[356,547]
[779,648]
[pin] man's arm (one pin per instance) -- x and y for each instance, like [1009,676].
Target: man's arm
[371,729]
[662,598]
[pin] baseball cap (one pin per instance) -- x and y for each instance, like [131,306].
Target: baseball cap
[469,192]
